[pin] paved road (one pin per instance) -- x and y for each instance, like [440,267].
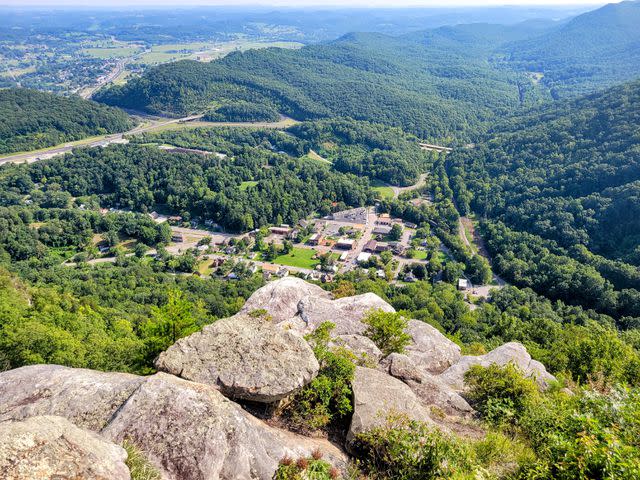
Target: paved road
[103,141]
[110,77]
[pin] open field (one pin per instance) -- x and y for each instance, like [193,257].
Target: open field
[115,52]
[385,191]
[298,257]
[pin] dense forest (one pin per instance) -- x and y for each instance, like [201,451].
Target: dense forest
[594,50]
[30,119]
[143,178]
[420,84]
[562,183]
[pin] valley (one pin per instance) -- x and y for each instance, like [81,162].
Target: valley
[294,243]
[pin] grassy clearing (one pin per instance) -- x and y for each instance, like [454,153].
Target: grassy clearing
[115,52]
[420,255]
[298,257]
[313,156]
[247,184]
[384,190]
[16,72]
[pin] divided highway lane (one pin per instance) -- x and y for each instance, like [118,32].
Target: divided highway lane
[103,141]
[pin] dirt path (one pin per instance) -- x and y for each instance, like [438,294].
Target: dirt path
[397,191]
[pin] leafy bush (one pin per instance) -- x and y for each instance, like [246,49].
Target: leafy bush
[328,396]
[500,393]
[404,449]
[386,329]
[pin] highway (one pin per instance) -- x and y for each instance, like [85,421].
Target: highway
[103,141]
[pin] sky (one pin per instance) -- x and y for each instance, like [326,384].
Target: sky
[300,3]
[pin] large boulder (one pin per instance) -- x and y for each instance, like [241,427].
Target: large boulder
[347,312]
[430,349]
[86,397]
[246,357]
[512,352]
[280,298]
[188,430]
[377,395]
[195,433]
[44,447]
[362,347]
[430,389]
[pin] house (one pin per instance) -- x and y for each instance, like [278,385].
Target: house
[177,237]
[410,225]
[345,243]
[175,219]
[398,248]
[380,274]
[269,270]
[343,256]
[363,257]
[384,219]
[315,239]
[103,248]
[370,246]
[281,230]
[463,284]
[382,230]
[382,247]
[303,223]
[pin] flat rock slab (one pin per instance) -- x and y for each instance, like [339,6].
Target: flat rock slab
[50,447]
[280,298]
[346,313]
[430,349]
[512,352]
[377,395]
[245,357]
[86,397]
[195,433]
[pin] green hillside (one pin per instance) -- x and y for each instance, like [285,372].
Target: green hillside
[30,119]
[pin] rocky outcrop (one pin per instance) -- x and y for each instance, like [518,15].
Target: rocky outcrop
[245,357]
[346,313]
[44,447]
[512,352]
[430,389]
[187,429]
[377,395]
[86,397]
[193,432]
[362,347]
[430,349]
[280,298]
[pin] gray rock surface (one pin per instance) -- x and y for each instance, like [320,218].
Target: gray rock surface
[376,395]
[363,347]
[280,298]
[189,430]
[430,389]
[86,397]
[50,447]
[429,348]
[512,352]
[347,313]
[194,433]
[245,357]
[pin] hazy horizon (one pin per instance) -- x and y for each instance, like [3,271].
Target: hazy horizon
[301,3]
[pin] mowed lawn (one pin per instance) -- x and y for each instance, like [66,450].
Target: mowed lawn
[385,191]
[298,257]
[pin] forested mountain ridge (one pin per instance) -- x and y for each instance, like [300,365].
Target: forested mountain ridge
[30,119]
[563,183]
[594,50]
[425,86]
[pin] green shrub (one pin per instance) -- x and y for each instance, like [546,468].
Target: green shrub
[500,393]
[386,329]
[328,396]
